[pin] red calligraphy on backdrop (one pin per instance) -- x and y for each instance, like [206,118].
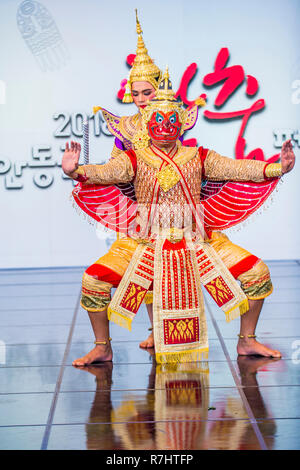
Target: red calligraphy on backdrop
[230,78]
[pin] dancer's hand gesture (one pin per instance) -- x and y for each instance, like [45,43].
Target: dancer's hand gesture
[287,157]
[70,158]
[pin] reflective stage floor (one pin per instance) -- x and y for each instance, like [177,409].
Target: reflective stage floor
[228,402]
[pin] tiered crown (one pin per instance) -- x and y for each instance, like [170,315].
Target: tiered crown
[164,100]
[143,68]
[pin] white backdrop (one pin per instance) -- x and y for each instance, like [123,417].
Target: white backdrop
[59,58]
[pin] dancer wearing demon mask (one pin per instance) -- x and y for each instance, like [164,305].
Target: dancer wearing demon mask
[141,86]
[169,245]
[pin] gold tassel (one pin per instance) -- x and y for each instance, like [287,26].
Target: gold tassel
[237,311]
[184,367]
[127,98]
[148,299]
[192,355]
[119,319]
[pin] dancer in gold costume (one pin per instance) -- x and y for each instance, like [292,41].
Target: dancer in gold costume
[141,87]
[169,251]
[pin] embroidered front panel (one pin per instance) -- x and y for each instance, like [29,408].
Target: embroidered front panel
[219,291]
[179,289]
[204,264]
[181,331]
[133,297]
[133,287]
[145,268]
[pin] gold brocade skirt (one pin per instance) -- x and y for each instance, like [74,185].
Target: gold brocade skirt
[108,270]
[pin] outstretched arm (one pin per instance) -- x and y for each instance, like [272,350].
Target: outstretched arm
[219,168]
[117,170]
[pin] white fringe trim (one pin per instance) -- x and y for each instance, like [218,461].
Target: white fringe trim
[253,217]
[88,218]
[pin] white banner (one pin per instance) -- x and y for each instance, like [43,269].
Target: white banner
[60,58]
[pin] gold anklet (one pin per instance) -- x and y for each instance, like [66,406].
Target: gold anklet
[102,342]
[248,336]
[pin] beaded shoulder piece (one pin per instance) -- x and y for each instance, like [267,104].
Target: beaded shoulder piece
[124,128]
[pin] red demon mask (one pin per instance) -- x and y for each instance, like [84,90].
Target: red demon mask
[164,127]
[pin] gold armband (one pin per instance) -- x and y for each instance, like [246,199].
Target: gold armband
[81,178]
[273,170]
[80,171]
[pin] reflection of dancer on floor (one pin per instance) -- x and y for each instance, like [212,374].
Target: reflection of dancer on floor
[163,128]
[236,433]
[98,430]
[248,368]
[173,414]
[132,421]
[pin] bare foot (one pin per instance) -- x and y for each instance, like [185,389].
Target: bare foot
[148,343]
[100,353]
[251,347]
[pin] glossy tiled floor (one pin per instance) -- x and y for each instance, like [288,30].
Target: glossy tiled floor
[226,403]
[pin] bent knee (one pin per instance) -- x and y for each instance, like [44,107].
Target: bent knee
[256,282]
[95,293]
[102,273]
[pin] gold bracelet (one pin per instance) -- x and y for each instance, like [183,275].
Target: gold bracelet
[102,342]
[273,170]
[80,171]
[248,336]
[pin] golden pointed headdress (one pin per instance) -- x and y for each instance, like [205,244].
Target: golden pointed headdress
[164,100]
[143,68]
[165,91]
